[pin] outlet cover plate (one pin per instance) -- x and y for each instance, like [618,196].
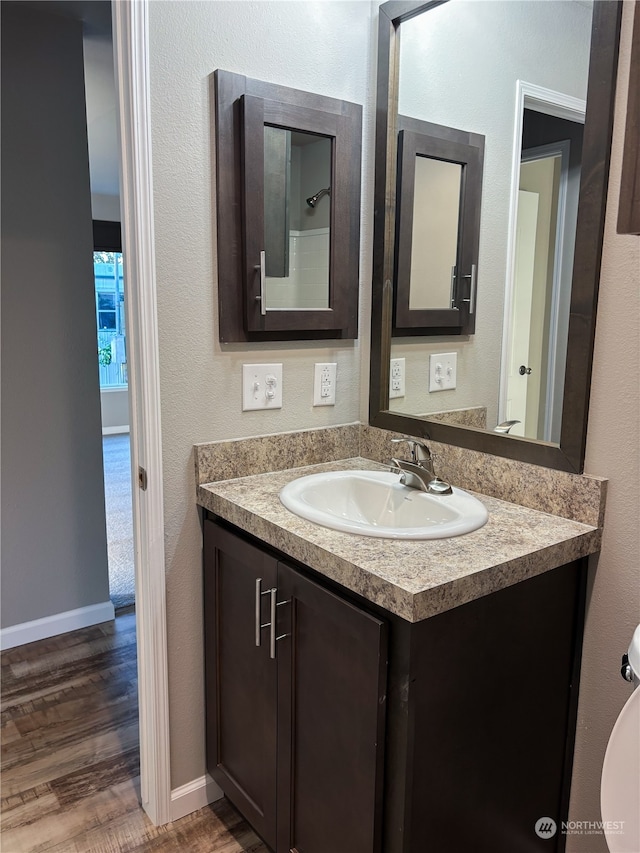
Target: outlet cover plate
[396,378]
[324,384]
[261,386]
[442,371]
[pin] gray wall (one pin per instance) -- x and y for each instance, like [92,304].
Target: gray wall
[53,525]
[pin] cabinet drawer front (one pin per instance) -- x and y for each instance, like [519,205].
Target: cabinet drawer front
[241,679]
[331,706]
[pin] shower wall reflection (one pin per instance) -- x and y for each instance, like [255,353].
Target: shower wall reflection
[297,213]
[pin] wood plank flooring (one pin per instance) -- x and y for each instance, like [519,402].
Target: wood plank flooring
[70,761]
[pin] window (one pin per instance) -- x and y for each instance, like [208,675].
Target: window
[110,319]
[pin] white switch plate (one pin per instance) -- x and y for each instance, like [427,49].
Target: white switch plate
[396,378]
[442,371]
[261,386]
[324,384]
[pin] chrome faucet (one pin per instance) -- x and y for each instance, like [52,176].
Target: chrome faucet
[505,426]
[417,472]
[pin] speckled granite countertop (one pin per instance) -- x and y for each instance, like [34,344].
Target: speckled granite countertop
[413,579]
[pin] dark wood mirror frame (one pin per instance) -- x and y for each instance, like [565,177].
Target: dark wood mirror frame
[598,129]
[448,144]
[243,106]
[629,210]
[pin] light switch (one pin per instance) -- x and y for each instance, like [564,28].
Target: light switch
[261,386]
[442,371]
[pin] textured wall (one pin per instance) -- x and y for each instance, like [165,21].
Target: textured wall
[613,451]
[322,47]
[54,549]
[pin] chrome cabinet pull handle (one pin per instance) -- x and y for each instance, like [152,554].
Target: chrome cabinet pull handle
[258,600]
[271,624]
[272,630]
[262,266]
[273,639]
[472,289]
[258,614]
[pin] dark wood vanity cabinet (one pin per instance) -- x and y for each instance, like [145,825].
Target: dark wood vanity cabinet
[474,710]
[295,728]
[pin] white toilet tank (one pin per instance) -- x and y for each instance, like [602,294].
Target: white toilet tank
[620,786]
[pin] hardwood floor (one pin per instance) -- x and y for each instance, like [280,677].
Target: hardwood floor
[70,765]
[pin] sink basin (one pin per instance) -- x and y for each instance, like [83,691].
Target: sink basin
[375,503]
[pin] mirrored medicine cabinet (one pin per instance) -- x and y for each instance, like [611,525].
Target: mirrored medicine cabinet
[437,228]
[533,85]
[288,205]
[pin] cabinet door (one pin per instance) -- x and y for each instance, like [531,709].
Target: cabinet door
[241,679]
[332,665]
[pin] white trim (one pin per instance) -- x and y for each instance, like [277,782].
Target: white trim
[542,100]
[193,796]
[554,149]
[131,57]
[59,623]
[116,430]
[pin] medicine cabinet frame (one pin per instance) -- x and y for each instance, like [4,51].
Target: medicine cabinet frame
[243,107]
[418,138]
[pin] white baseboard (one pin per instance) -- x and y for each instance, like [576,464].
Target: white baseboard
[59,623]
[116,430]
[193,796]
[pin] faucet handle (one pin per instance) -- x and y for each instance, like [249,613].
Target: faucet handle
[415,447]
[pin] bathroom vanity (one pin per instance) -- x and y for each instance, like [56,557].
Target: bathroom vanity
[407,696]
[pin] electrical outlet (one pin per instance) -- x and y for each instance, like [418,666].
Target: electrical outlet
[396,378]
[261,386]
[442,371]
[324,384]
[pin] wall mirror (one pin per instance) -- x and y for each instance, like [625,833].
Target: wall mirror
[288,194]
[537,82]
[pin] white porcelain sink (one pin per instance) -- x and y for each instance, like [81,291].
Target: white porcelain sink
[375,503]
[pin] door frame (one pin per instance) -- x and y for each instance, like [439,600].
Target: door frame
[131,63]
[529,155]
[540,99]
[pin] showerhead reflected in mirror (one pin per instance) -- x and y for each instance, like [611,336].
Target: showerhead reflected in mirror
[315,198]
[296,219]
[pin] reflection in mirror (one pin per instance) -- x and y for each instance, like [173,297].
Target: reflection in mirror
[477,102]
[434,238]
[518,76]
[439,191]
[296,218]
